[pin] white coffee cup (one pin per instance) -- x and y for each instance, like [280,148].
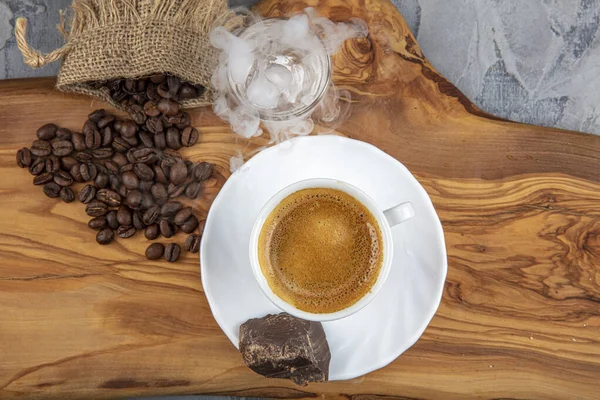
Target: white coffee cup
[386,220]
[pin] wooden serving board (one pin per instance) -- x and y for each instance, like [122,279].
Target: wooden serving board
[520,206]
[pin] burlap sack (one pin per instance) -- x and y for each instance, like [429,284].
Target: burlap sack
[111,39]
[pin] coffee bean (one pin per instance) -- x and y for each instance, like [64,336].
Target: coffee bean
[128,128]
[78,141]
[120,159]
[126,167]
[62,148]
[192,243]
[146,139]
[47,132]
[136,112]
[151,109]
[185,121]
[178,173]
[146,185]
[75,172]
[152,232]
[189,225]
[130,180]
[103,153]
[126,231]
[189,136]
[155,251]
[92,138]
[124,216]
[187,92]
[111,167]
[129,85]
[160,140]
[51,190]
[141,84]
[172,252]
[115,183]
[147,200]
[52,164]
[143,171]
[174,84]
[168,107]
[120,145]
[123,191]
[101,181]
[175,190]
[111,219]
[89,126]
[154,124]
[138,222]
[159,192]
[24,157]
[63,178]
[202,171]
[100,166]
[84,157]
[152,93]
[133,199]
[43,178]
[96,208]
[145,155]
[130,158]
[173,120]
[68,162]
[193,189]
[107,135]
[170,208]
[173,138]
[182,215]
[88,172]
[105,236]
[132,141]
[97,115]
[167,229]
[170,157]
[37,166]
[151,215]
[98,223]
[41,148]
[108,119]
[67,195]
[109,197]
[140,98]
[63,133]
[163,90]
[87,194]
[159,174]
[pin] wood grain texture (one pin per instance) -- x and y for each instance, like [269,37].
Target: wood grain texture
[520,206]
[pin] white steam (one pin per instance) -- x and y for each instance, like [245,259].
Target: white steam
[276,73]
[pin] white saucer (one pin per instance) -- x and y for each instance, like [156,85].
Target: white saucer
[396,318]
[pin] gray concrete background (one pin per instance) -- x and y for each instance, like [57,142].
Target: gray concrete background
[533,61]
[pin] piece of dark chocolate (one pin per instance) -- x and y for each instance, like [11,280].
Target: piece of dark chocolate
[283,346]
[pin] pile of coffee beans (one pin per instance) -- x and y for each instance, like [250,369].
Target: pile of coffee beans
[132,168]
[131,92]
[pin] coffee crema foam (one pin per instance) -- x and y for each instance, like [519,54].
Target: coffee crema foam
[320,250]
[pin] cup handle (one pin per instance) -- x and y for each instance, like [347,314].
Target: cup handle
[399,214]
